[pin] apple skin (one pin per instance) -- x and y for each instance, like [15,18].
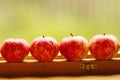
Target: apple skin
[103,47]
[44,48]
[74,48]
[14,50]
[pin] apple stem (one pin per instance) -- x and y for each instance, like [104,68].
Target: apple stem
[71,34]
[104,34]
[43,36]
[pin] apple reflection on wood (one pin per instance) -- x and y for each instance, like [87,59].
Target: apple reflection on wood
[73,48]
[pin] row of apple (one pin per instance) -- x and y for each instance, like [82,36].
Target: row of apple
[73,48]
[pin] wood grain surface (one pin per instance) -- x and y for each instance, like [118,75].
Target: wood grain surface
[31,69]
[88,77]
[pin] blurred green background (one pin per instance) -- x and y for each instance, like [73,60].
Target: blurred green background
[29,19]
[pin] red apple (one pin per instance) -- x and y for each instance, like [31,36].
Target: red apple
[14,50]
[74,48]
[103,47]
[44,48]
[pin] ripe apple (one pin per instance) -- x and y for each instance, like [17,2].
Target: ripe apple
[74,48]
[14,50]
[44,48]
[103,47]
